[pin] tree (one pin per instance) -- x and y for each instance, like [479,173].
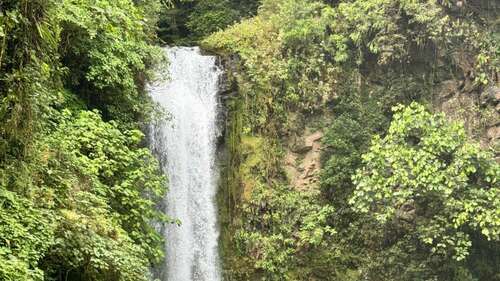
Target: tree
[77,194]
[106,187]
[428,181]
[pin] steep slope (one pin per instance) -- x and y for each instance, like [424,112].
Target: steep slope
[315,77]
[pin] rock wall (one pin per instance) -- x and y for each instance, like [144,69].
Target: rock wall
[302,162]
[479,111]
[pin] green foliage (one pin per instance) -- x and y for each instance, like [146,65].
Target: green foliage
[189,21]
[28,71]
[356,119]
[282,226]
[111,163]
[96,189]
[296,53]
[279,76]
[77,194]
[102,50]
[352,61]
[91,245]
[427,180]
[172,23]
[78,190]
[26,234]
[106,47]
[210,16]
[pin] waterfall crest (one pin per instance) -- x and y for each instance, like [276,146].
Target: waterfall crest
[185,143]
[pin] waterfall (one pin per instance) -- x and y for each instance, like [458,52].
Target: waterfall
[185,143]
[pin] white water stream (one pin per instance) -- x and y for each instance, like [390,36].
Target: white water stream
[186,147]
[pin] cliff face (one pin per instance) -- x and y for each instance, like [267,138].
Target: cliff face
[307,89]
[295,159]
[478,109]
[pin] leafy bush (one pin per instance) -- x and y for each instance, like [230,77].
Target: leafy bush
[188,21]
[296,53]
[428,182]
[210,16]
[351,61]
[283,226]
[107,49]
[357,118]
[109,185]
[77,194]
[26,232]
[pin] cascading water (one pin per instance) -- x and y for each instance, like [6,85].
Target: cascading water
[186,146]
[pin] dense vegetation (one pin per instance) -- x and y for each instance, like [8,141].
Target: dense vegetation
[188,21]
[403,194]
[77,188]
[404,93]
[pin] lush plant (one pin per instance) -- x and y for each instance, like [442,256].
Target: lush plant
[280,75]
[28,71]
[91,244]
[351,61]
[357,118]
[112,165]
[95,189]
[78,190]
[428,182]
[78,194]
[106,46]
[188,21]
[296,53]
[26,234]
[210,16]
[282,227]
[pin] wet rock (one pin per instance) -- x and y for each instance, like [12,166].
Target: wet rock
[490,96]
[448,89]
[302,148]
[312,139]
[302,162]
[493,133]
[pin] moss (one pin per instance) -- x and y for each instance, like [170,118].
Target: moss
[249,160]
[230,191]
[289,82]
[253,154]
